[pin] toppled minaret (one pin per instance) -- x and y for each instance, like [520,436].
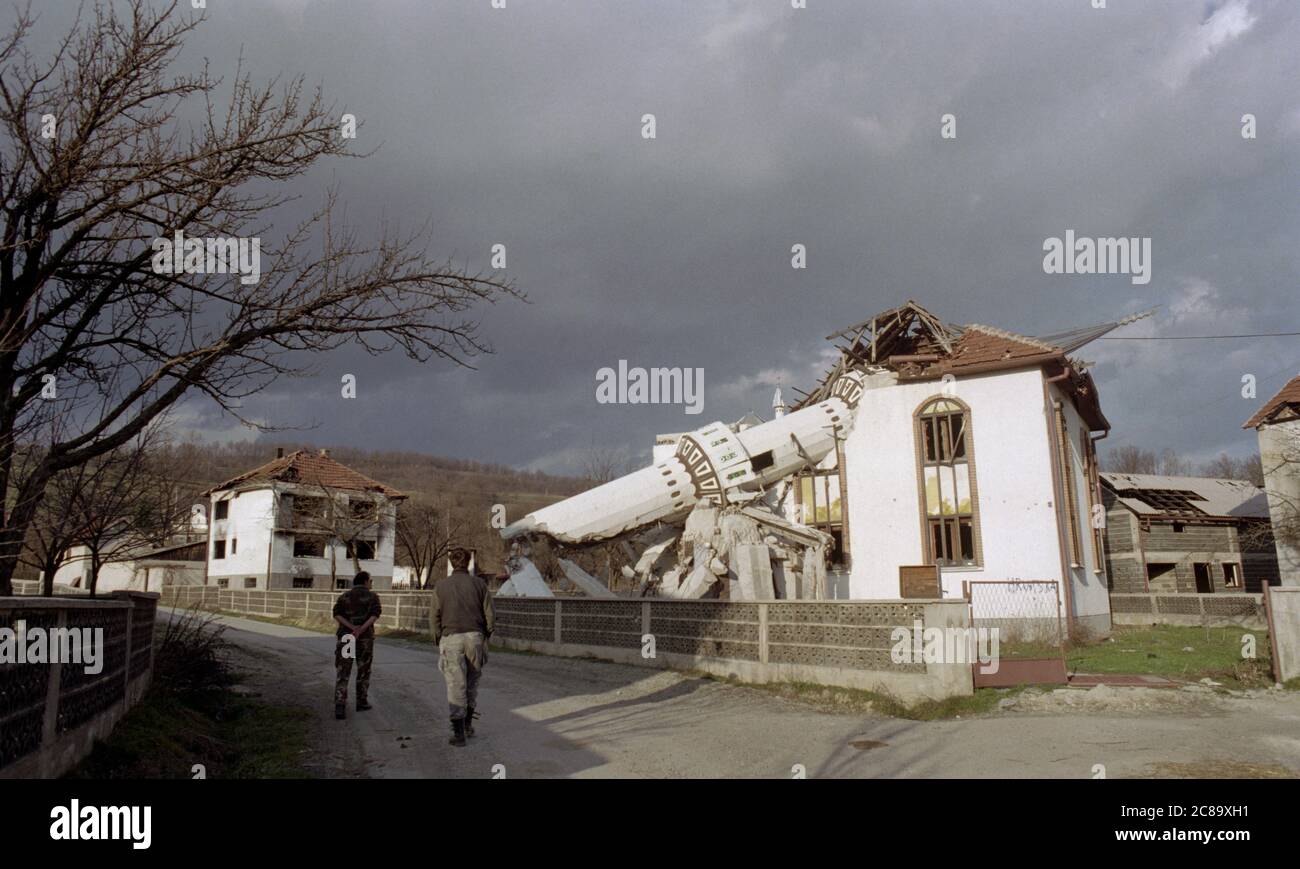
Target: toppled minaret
[699,523]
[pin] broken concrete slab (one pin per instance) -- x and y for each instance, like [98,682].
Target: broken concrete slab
[525,581]
[585,582]
[751,563]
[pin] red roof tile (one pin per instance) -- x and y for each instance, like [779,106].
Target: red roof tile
[980,345]
[309,469]
[1289,396]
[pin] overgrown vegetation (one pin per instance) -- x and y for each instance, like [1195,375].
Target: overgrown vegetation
[192,715]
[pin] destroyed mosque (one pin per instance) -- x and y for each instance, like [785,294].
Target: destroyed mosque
[928,456]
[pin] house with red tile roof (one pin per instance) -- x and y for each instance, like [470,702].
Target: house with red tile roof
[302,521]
[1277,423]
[973,455]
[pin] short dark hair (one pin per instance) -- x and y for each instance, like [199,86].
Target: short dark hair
[459,559]
[361,578]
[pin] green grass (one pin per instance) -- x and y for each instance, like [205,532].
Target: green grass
[233,736]
[1158,650]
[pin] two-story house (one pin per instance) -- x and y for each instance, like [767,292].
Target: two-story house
[301,521]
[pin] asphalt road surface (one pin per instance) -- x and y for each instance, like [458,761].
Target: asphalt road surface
[554,717]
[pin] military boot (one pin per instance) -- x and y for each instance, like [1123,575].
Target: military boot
[340,710]
[362,705]
[469,720]
[457,733]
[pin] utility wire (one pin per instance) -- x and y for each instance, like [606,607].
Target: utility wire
[1202,337]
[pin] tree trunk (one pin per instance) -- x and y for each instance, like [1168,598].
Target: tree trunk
[15,528]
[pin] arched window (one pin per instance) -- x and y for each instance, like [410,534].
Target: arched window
[949,510]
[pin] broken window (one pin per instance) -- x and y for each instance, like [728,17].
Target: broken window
[1231,574]
[818,505]
[947,481]
[308,546]
[362,550]
[218,549]
[363,511]
[222,509]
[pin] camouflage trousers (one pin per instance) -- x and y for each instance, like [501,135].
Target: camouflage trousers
[364,648]
[461,658]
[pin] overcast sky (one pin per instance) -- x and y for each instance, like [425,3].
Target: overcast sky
[776,126]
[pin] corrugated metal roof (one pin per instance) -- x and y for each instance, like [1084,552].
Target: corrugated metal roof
[1225,499]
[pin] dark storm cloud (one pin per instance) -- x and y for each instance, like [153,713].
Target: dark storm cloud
[775,126]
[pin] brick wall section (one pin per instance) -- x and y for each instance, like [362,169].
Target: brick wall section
[1192,539]
[1130,549]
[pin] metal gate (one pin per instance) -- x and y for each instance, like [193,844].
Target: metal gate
[1025,618]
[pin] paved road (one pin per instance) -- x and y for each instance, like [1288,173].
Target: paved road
[548,717]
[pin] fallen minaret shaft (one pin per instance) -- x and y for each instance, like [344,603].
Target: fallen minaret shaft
[711,463]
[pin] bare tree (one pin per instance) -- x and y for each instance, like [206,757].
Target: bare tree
[426,532]
[1225,467]
[116,506]
[97,175]
[341,518]
[602,464]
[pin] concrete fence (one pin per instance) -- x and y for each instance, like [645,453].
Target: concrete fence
[843,643]
[1284,630]
[51,712]
[403,610]
[1246,610]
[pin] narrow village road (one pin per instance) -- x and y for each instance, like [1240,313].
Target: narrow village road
[548,717]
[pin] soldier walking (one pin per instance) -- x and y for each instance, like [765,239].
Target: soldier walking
[462,623]
[356,611]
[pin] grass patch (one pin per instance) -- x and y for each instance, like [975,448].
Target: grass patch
[1161,650]
[233,737]
[192,714]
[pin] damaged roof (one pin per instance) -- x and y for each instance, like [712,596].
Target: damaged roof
[1286,402]
[1210,497]
[308,469]
[917,345]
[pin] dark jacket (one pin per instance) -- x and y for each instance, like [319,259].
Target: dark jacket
[461,604]
[356,605]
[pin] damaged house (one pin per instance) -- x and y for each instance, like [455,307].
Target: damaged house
[301,521]
[929,455]
[1186,535]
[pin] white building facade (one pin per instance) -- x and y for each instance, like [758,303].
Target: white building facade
[303,521]
[980,461]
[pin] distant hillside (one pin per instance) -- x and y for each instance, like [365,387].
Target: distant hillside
[415,474]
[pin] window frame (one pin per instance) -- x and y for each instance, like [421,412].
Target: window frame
[947,456]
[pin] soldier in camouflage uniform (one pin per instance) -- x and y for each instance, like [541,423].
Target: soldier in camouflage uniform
[356,611]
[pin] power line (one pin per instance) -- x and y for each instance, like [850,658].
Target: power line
[1203,337]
